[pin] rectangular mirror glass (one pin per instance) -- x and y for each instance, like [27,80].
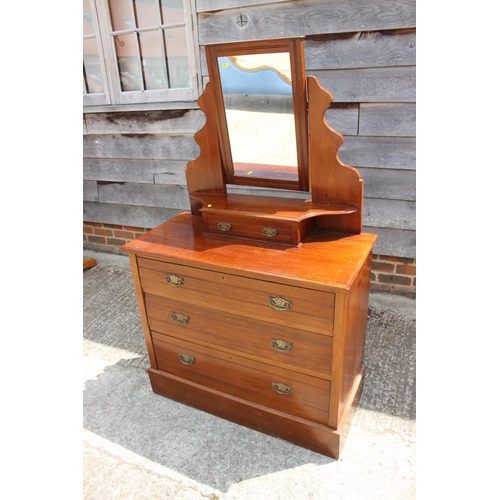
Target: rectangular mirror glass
[259,89]
[258,103]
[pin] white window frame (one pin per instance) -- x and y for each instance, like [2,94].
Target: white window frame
[95,99]
[113,95]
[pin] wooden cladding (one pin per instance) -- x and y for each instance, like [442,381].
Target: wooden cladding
[363,52]
[217,21]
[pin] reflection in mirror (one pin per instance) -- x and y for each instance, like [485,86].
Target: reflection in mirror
[258,102]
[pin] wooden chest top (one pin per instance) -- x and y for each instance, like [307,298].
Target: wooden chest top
[325,260]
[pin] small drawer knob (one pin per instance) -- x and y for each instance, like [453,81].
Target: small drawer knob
[279,303]
[224,226]
[186,358]
[281,345]
[281,388]
[269,232]
[180,318]
[174,280]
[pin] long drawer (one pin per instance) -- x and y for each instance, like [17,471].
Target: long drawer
[253,298]
[295,393]
[292,348]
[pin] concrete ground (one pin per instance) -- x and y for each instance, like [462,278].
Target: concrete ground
[138,445]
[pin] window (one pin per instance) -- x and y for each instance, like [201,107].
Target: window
[138,51]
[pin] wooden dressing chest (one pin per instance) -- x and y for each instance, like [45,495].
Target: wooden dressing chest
[266,336]
[254,308]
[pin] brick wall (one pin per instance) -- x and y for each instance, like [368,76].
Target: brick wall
[394,275]
[389,274]
[108,237]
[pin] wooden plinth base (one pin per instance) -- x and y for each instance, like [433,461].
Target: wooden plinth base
[313,436]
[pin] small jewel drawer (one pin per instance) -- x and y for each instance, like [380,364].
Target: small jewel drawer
[255,229]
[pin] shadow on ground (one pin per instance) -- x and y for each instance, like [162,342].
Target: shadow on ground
[120,406]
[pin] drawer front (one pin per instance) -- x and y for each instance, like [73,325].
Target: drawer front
[277,231]
[285,305]
[290,348]
[274,387]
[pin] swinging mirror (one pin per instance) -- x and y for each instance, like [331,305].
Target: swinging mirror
[259,92]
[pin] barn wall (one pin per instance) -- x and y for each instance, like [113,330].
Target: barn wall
[362,51]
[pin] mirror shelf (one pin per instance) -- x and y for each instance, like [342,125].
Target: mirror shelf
[272,219]
[267,206]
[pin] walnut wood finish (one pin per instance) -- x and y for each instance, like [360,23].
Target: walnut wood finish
[246,379]
[332,182]
[300,431]
[238,295]
[267,207]
[254,308]
[222,351]
[205,172]
[317,437]
[336,189]
[290,219]
[310,353]
[142,309]
[348,344]
[326,261]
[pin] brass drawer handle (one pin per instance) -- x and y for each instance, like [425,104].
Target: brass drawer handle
[186,358]
[224,226]
[281,388]
[174,280]
[281,345]
[279,303]
[269,231]
[180,318]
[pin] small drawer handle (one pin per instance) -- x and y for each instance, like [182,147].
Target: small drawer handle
[174,280]
[186,358]
[279,303]
[224,226]
[281,388]
[270,232]
[281,345]
[180,318]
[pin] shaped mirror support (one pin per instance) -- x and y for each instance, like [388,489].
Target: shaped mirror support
[265,127]
[259,90]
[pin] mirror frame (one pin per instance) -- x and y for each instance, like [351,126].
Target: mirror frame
[295,48]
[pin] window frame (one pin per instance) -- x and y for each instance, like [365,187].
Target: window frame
[111,75]
[95,99]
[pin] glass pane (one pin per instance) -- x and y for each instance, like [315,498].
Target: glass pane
[91,67]
[128,62]
[88,22]
[153,60]
[147,14]
[122,14]
[172,11]
[258,103]
[177,57]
